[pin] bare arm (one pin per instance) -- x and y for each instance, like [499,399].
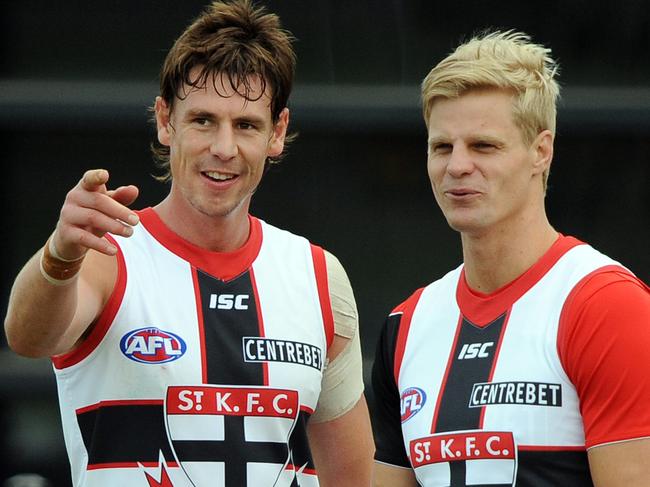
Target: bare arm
[391,476]
[340,436]
[343,448]
[624,464]
[46,315]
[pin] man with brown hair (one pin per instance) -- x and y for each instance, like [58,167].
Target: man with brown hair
[192,343]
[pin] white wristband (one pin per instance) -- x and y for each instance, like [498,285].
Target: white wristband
[54,253]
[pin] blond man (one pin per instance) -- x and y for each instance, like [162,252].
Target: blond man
[527,364]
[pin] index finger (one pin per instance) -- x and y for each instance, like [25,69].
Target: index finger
[93,179]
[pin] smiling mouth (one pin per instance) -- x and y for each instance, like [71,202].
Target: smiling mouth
[219,176]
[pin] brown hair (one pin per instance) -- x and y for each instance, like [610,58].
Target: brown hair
[237,40]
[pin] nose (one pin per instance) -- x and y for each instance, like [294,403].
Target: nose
[460,162]
[223,144]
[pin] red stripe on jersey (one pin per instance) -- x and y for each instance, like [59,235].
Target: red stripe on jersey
[482,309]
[104,321]
[260,321]
[306,409]
[407,308]
[443,385]
[306,471]
[320,268]
[224,265]
[120,402]
[199,319]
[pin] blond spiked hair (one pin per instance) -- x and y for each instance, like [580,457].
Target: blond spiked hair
[503,60]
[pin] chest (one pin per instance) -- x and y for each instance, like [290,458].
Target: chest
[477,397]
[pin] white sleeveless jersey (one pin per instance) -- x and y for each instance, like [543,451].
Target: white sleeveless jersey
[485,400]
[191,380]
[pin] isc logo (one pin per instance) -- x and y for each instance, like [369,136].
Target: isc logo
[474,350]
[228,301]
[152,346]
[411,402]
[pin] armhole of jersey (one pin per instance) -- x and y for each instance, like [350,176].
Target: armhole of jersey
[568,311]
[320,270]
[104,320]
[407,308]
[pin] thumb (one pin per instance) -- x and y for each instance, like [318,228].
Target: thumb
[95,180]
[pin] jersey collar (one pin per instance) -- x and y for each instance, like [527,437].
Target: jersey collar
[222,265]
[481,309]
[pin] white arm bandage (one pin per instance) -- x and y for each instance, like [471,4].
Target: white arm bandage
[342,383]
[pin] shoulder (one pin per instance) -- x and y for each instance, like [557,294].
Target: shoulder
[270,231]
[344,307]
[610,290]
[603,339]
[408,304]
[607,312]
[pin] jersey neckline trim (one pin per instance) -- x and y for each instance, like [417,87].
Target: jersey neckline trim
[481,309]
[222,265]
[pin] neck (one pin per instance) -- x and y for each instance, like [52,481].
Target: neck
[215,233]
[496,258]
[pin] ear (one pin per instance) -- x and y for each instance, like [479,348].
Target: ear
[543,152]
[162,121]
[276,144]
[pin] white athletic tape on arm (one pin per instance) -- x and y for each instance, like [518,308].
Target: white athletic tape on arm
[342,383]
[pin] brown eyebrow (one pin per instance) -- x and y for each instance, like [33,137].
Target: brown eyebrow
[252,119]
[246,118]
[198,113]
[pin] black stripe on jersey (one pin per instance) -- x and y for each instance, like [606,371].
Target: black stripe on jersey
[384,402]
[228,318]
[299,444]
[237,453]
[234,451]
[471,363]
[132,433]
[553,468]
[124,434]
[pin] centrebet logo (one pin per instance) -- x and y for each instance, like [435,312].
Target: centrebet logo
[232,435]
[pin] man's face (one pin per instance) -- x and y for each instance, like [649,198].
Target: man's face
[483,175]
[218,146]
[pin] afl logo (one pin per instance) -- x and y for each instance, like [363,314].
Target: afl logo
[411,402]
[152,346]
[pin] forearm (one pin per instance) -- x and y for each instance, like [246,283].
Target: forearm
[63,288]
[621,464]
[343,448]
[39,313]
[392,476]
